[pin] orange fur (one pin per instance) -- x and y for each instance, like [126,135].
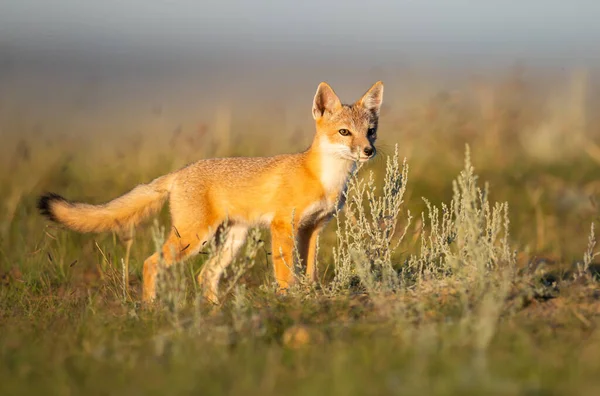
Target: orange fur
[293,194]
[117,215]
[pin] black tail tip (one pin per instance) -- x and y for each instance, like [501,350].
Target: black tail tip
[44,204]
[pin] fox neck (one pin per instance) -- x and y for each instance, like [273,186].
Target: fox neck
[333,170]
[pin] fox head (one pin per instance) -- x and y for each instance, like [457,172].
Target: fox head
[347,131]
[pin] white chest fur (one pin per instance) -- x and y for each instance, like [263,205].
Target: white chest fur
[335,173]
[335,170]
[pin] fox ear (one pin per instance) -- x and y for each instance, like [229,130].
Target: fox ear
[325,101]
[373,98]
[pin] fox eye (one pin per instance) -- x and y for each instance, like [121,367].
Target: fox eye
[344,132]
[371,132]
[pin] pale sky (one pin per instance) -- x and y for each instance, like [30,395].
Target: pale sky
[174,51]
[155,25]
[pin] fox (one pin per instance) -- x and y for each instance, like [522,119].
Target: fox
[220,199]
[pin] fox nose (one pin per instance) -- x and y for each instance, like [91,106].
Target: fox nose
[368,151]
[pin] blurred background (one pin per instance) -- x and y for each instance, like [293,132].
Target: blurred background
[186,55]
[97,96]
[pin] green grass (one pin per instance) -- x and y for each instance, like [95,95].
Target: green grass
[472,319]
[53,345]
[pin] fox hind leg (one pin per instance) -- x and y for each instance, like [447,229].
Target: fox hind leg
[180,245]
[228,246]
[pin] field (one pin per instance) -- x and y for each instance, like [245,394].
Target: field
[437,278]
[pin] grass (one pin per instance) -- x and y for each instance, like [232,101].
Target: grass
[488,286]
